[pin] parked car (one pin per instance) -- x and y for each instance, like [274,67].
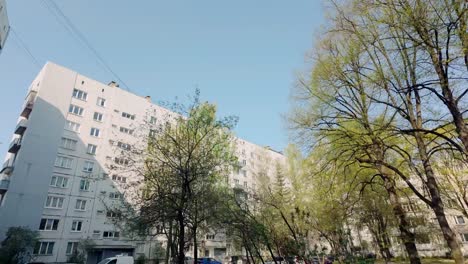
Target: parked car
[118,260]
[208,261]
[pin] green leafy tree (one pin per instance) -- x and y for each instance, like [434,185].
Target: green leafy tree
[182,164]
[18,245]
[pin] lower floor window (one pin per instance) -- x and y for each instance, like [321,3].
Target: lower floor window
[110,234]
[44,248]
[464,237]
[72,247]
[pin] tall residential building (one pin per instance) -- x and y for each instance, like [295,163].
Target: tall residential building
[4,25]
[56,178]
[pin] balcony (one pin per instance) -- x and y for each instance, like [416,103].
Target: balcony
[239,187]
[28,106]
[27,110]
[21,127]
[4,183]
[15,145]
[7,167]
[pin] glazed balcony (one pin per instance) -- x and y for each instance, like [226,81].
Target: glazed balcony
[28,105]
[7,167]
[21,127]
[4,184]
[15,145]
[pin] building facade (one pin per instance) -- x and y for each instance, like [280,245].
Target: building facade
[4,24]
[56,178]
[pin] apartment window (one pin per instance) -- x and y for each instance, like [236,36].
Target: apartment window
[59,181]
[48,224]
[84,185]
[123,145]
[121,161]
[245,184]
[244,173]
[78,94]
[72,247]
[112,214]
[80,205]
[244,162]
[68,143]
[119,178]
[72,126]
[95,132]
[54,202]
[76,110]
[110,234]
[464,237]
[114,195]
[91,149]
[88,166]
[153,120]
[210,237]
[126,130]
[63,162]
[77,225]
[152,133]
[101,102]
[236,181]
[97,116]
[459,220]
[127,115]
[44,248]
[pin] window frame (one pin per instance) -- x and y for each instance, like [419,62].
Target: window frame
[115,234]
[101,102]
[47,252]
[68,143]
[49,224]
[73,107]
[59,203]
[95,132]
[76,94]
[62,164]
[87,168]
[77,226]
[63,182]
[91,149]
[97,114]
[72,247]
[79,205]
[70,124]
[85,184]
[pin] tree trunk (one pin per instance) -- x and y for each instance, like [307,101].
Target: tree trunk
[437,205]
[408,237]
[181,254]
[169,244]
[195,246]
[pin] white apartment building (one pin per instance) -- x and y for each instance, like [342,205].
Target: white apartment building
[4,25]
[55,177]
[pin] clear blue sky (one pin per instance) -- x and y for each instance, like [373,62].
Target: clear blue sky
[242,54]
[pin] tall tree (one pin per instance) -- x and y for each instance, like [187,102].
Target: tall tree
[377,77]
[181,162]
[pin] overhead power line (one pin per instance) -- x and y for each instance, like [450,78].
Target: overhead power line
[25,48]
[55,10]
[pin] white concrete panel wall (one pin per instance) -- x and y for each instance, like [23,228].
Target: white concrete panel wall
[34,167]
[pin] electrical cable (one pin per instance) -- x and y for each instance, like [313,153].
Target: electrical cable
[25,48]
[55,10]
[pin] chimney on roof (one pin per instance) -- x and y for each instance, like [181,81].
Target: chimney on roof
[113,84]
[148,98]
